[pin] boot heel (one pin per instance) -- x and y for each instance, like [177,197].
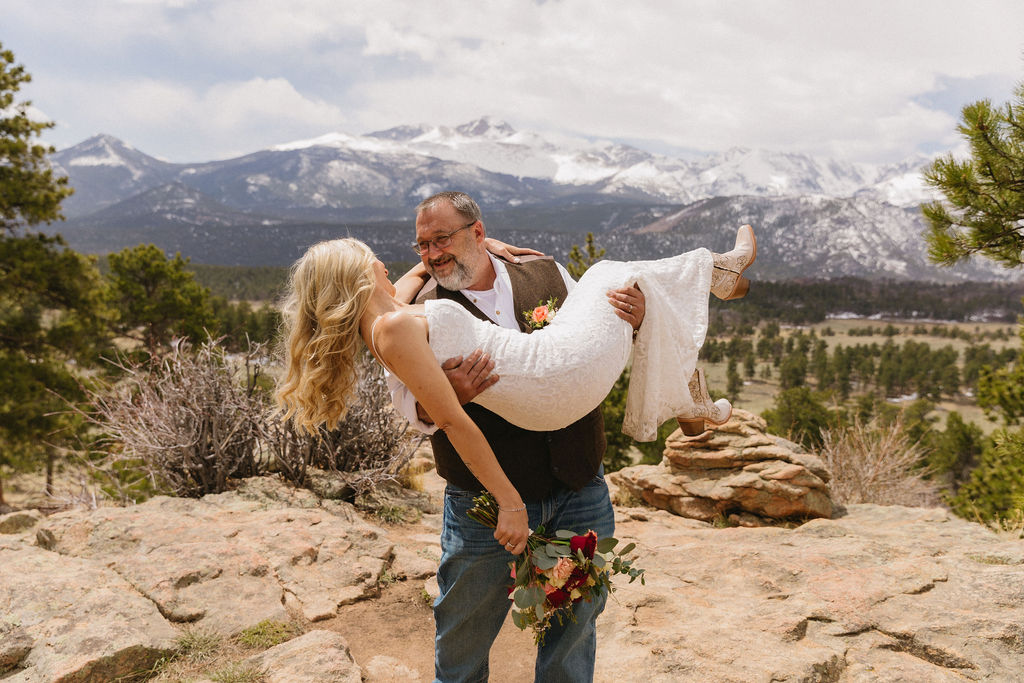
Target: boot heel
[741,288]
[691,426]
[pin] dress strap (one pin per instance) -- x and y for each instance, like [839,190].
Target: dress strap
[373,343]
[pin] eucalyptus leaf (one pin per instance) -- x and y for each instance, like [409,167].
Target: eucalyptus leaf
[627,549]
[598,560]
[519,619]
[523,598]
[564,533]
[551,550]
[606,544]
[543,562]
[537,595]
[539,611]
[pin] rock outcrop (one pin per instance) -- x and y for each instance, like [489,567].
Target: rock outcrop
[736,472]
[880,593]
[876,594]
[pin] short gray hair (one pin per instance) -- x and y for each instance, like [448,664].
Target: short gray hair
[460,201]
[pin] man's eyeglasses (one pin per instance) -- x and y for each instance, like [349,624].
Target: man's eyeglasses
[439,242]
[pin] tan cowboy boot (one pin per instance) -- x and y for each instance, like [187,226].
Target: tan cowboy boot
[727,281]
[704,410]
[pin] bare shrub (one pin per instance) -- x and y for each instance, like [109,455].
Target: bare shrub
[196,419]
[877,463]
[184,422]
[371,445]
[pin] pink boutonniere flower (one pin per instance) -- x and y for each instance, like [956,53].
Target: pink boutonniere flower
[542,314]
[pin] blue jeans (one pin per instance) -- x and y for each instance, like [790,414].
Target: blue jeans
[474,579]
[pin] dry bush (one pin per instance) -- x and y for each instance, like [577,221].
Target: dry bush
[877,463]
[195,420]
[184,422]
[372,444]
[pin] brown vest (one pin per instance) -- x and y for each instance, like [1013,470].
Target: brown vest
[535,462]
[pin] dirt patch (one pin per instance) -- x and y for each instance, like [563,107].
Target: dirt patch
[400,624]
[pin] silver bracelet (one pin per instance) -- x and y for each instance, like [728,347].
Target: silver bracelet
[518,509]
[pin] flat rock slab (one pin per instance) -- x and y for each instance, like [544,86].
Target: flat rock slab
[877,594]
[233,560]
[71,619]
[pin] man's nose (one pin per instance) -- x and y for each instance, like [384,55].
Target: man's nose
[431,248]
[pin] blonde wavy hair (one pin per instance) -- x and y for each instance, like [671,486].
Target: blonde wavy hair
[328,290]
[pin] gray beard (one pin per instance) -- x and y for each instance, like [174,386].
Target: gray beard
[461,277]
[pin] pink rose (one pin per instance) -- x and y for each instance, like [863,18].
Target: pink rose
[540,314]
[561,571]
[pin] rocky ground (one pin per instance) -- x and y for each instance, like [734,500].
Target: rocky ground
[872,594]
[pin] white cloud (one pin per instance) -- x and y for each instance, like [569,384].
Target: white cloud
[224,120]
[848,77]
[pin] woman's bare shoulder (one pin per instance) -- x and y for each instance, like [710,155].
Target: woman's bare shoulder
[399,325]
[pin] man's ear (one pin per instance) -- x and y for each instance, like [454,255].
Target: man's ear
[479,231]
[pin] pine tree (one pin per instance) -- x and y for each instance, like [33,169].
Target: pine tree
[983,211]
[157,298]
[579,261]
[49,302]
[29,191]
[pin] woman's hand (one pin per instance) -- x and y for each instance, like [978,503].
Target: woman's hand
[507,251]
[513,529]
[629,304]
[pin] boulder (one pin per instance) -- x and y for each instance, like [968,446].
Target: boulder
[736,472]
[231,560]
[878,594]
[66,618]
[314,657]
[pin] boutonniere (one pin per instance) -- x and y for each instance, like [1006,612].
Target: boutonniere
[542,314]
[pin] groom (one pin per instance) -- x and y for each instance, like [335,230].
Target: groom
[558,473]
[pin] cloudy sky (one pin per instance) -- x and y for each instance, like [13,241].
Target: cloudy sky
[196,80]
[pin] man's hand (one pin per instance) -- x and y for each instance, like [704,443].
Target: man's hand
[468,376]
[471,375]
[629,304]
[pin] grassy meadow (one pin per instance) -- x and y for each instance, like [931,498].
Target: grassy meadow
[759,394]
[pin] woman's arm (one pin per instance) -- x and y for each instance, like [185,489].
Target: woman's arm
[402,343]
[409,285]
[412,282]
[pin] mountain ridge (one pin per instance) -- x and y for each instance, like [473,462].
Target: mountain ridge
[827,217]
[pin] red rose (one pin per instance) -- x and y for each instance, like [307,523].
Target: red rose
[557,597]
[575,580]
[587,543]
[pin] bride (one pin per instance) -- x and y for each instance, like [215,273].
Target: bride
[340,298]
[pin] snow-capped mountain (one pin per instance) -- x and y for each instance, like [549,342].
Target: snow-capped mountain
[623,171]
[816,217]
[104,170]
[385,173]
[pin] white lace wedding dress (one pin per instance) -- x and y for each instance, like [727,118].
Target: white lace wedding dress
[558,374]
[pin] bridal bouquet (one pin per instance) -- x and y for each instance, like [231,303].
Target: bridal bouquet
[553,574]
